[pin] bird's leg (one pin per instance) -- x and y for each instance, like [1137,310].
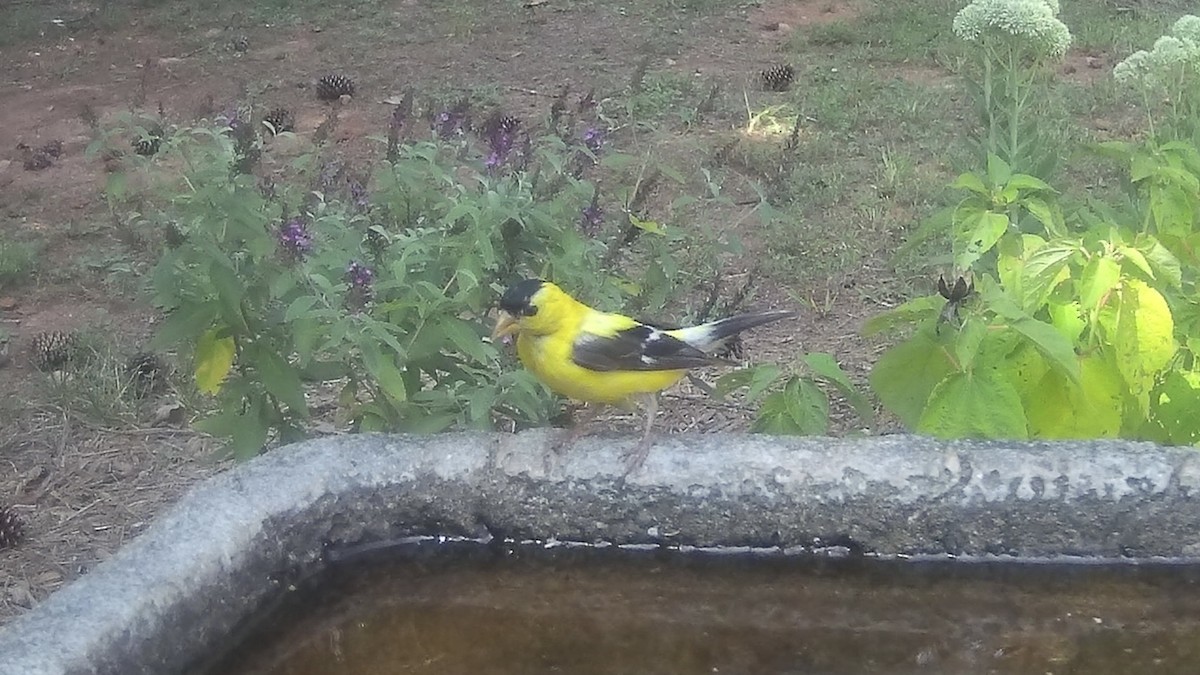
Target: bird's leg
[577,429]
[636,456]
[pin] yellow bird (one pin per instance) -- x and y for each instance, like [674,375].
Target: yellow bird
[603,358]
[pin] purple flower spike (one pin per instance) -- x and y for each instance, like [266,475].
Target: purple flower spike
[295,238]
[358,194]
[593,138]
[592,218]
[359,275]
[500,144]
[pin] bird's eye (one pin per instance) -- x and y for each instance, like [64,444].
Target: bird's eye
[529,310]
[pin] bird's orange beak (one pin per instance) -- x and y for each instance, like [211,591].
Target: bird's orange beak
[506,324]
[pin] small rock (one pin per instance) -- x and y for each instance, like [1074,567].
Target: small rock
[1093,62]
[167,414]
[8,303]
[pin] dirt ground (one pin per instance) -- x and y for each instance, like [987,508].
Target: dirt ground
[84,487]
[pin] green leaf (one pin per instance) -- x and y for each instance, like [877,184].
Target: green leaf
[1091,408]
[979,404]
[998,170]
[917,310]
[970,182]
[1135,257]
[299,307]
[1043,271]
[1100,276]
[1047,216]
[825,366]
[647,225]
[1059,352]
[976,236]
[1067,318]
[906,374]
[387,376]
[428,423]
[281,380]
[1023,181]
[184,324]
[757,378]
[1164,263]
[1174,407]
[229,294]
[467,339]
[801,408]
[250,434]
[214,359]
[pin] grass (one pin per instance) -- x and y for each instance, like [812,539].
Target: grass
[18,262]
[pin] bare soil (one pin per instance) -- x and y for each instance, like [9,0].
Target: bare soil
[85,487]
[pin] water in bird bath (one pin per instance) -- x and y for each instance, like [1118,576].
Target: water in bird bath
[475,609]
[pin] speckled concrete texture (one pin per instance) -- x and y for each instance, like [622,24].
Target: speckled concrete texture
[236,541]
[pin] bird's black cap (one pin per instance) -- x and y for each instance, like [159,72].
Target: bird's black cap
[518,299]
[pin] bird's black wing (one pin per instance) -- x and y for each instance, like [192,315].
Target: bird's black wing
[640,347]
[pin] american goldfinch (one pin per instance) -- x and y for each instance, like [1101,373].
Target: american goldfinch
[603,358]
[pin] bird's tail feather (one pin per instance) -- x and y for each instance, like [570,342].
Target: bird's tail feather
[708,336]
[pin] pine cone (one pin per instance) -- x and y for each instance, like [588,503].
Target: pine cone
[778,78]
[12,528]
[333,87]
[279,120]
[146,371]
[509,124]
[53,350]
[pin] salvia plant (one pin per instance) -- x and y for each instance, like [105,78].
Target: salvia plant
[371,290]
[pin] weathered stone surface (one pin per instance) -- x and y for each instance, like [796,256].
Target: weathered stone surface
[236,541]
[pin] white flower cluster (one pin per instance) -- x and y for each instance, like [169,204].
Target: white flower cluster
[1033,21]
[1173,55]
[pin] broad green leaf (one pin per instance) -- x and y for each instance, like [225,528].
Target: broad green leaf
[998,170]
[826,367]
[1059,352]
[975,237]
[1174,407]
[800,409]
[1136,258]
[979,404]
[1024,368]
[1067,318]
[970,182]
[917,310]
[214,359]
[1164,263]
[1047,216]
[1100,276]
[906,374]
[757,378]
[1023,181]
[281,379]
[1043,271]
[1093,408]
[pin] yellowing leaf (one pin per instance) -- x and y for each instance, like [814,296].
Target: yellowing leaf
[214,358]
[1058,408]
[1141,332]
[1025,368]
[1066,318]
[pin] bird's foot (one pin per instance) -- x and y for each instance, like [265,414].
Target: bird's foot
[636,456]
